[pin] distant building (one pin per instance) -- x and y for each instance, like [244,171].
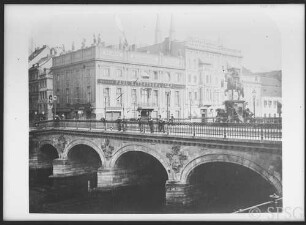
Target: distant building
[38,53]
[99,81]
[40,83]
[207,64]
[271,93]
[252,85]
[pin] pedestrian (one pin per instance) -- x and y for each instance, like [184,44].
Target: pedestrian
[124,124]
[139,123]
[171,119]
[119,123]
[150,121]
[161,124]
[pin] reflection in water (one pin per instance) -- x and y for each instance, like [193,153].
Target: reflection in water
[219,188]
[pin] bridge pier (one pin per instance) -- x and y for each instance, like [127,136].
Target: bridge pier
[71,179]
[179,195]
[115,177]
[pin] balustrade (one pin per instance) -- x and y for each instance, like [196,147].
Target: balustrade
[247,131]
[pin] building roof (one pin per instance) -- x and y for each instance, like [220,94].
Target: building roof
[36,52]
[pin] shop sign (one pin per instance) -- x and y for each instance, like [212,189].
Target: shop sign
[139,84]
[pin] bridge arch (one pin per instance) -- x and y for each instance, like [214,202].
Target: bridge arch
[139,148]
[88,143]
[230,158]
[48,142]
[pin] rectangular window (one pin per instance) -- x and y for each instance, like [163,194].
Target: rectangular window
[134,74]
[155,75]
[119,73]
[106,97]
[119,96]
[195,95]
[177,98]
[195,79]
[270,103]
[134,96]
[67,95]
[265,103]
[168,76]
[77,90]
[87,73]
[106,72]
[155,97]
[168,98]
[88,94]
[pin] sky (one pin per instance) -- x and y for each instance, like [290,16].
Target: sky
[249,28]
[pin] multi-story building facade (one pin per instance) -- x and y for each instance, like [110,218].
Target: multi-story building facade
[271,93]
[33,92]
[41,83]
[38,54]
[99,81]
[207,64]
[252,85]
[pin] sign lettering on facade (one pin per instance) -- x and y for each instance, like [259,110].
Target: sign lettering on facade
[139,83]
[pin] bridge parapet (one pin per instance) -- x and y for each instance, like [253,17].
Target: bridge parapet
[243,131]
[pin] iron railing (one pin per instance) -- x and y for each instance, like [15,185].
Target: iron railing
[256,120]
[260,131]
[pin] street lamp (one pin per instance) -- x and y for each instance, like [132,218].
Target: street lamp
[254,98]
[104,107]
[190,101]
[168,92]
[119,98]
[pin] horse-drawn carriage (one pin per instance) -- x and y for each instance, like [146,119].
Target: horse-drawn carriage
[234,112]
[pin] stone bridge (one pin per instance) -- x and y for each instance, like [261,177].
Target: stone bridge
[124,159]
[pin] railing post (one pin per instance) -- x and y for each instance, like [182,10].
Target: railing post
[193,125]
[77,124]
[224,132]
[261,132]
[89,124]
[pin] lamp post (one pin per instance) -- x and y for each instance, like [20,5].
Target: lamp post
[54,103]
[120,97]
[190,107]
[254,98]
[105,108]
[168,92]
